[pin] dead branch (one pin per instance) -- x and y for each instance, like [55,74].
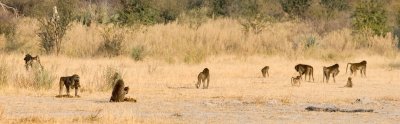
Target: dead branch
[6,8]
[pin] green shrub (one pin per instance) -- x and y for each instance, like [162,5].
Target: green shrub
[219,8]
[138,53]
[370,15]
[136,12]
[296,8]
[8,28]
[52,29]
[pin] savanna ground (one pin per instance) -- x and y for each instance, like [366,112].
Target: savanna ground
[160,64]
[237,94]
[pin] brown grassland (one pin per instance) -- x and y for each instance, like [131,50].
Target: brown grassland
[164,81]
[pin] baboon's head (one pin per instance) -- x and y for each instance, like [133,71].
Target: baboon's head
[336,65]
[206,71]
[363,62]
[75,78]
[126,89]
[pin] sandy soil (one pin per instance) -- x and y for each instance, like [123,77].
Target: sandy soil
[241,96]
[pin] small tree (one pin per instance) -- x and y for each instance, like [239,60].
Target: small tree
[219,8]
[370,15]
[295,8]
[334,5]
[52,29]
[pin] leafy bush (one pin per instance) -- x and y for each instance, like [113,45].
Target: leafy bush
[295,8]
[370,14]
[112,44]
[52,29]
[137,11]
[8,28]
[219,8]
[138,53]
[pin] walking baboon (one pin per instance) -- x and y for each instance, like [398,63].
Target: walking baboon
[327,71]
[296,81]
[202,77]
[70,82]
[362,66]
[264,71]
[29,61]
[119,92]
[349,83]
[305,70]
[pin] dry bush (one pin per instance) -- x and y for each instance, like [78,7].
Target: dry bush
[113,43]
[4,73]
[179,42]
[36,78]
[110,76]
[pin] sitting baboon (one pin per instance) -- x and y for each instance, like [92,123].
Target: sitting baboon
[349,83]
[362,66]
[264,71]
[305,70]
[327,71]
[70,82]
[202,77]
[296,81]
[29,61]
[119,92]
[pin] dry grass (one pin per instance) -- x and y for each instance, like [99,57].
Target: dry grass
[177,42]
[168,95]
[163,81]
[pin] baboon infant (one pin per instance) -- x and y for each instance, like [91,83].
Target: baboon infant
[264,71]
[202,77]
[29,61]
[296,81]
[362,66]
[349,83]
[334,70]
[70,82]
[119,92]
[305,70]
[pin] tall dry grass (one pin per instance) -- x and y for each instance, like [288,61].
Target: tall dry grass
[180,42]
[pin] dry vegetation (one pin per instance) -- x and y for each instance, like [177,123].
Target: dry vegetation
[160,63]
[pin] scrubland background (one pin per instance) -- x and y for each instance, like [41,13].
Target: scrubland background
[159,47]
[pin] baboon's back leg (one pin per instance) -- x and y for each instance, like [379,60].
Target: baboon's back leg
[208,82]
[267,73]
[61,86]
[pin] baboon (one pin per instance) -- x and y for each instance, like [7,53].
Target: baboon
[362,66]
[70,82]
[29,61]
[296,81]
[264,71]
[349,83]
[119,92]
[305,70]
[202,77]
[327,71]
